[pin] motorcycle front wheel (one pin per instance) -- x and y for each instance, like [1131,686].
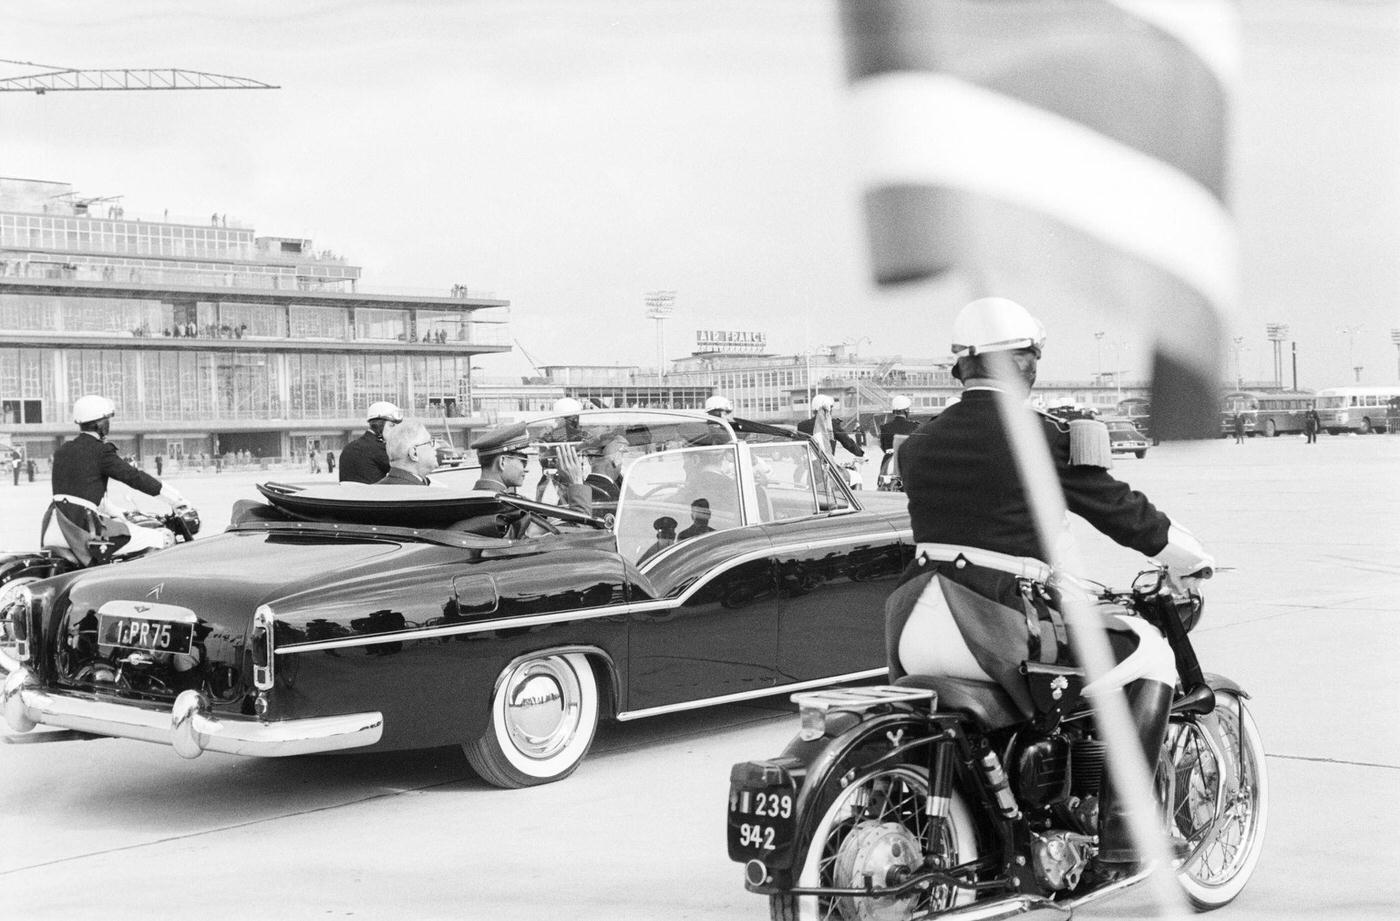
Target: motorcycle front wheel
[1218,801]
[874,825]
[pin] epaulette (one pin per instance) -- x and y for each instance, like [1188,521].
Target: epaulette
[1058,422]
[1089,444]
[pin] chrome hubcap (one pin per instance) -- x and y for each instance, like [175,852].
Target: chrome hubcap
[542,707]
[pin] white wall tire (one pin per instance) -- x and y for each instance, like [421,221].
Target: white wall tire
[1217,871]
[543,716]
[820,857]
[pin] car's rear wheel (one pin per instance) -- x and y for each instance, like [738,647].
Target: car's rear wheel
[1271,428]
[543,715]
[1140,454]
[1365,427]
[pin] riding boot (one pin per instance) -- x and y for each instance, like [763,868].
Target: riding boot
[1149,703]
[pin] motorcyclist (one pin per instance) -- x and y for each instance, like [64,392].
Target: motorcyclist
[976,602]
[892,433]
[719,406]
[366,460]
[826,429]
[82,467]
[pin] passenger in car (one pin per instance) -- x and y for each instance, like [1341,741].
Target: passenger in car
[411,454]
[603,451]
[504,464]
[699,520]
[665,536]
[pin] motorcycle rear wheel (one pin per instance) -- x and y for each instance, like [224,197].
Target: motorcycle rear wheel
[869,807]
[1218,801]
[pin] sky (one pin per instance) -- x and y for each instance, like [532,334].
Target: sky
[571,156]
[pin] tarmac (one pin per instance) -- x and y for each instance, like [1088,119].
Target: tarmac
[1306,616]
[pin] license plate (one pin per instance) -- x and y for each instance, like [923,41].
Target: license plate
[148,627]
[762,822]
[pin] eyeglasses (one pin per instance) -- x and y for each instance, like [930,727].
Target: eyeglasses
[524,459]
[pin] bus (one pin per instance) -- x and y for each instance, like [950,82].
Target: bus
[1266,412]
[1357,409]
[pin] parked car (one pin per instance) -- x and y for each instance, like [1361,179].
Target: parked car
[332,617]
[448,455]
[1124,438]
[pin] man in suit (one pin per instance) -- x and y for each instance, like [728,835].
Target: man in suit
[411,455]
[603,452]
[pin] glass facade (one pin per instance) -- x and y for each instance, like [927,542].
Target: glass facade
[134,238]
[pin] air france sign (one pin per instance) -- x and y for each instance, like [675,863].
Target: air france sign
[730,340]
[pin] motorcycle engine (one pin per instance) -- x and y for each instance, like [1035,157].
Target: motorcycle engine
[1060,857]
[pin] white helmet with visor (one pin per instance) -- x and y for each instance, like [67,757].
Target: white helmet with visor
[996,324]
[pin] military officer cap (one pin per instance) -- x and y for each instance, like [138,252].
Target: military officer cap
[505,439]
[597,444]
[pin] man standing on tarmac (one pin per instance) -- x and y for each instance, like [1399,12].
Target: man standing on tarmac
[365,459]
[977,602]
[82,467]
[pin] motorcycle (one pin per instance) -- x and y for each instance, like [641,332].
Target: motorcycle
[938,797]
[70,548]
[889,479]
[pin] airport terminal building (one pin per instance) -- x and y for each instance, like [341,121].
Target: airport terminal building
[210,339]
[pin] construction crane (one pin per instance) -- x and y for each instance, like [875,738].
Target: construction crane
[54,78]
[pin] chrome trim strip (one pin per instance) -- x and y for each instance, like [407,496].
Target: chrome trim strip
[748,695]
[534,620]
[189,726]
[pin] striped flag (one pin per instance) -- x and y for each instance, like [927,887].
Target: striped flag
[1067,151]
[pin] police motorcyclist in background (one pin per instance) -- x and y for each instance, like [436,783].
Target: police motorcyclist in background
[826,429]
[975,602]
[365,460]
[892,433]
[82,466]
[719,406]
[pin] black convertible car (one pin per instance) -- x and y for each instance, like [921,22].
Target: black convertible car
[736,564]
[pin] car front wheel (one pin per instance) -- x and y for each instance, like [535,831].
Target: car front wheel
[543,715]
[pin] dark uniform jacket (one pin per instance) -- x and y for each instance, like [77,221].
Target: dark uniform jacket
[895,425]
[364,460]
[605,490]
[397,476]
[808,427]
[83,465]
[964,487]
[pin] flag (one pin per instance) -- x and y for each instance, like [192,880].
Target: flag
[1059,150]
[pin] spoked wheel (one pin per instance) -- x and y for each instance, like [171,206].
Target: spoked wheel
[543,715]
[1218,801]
[877,827]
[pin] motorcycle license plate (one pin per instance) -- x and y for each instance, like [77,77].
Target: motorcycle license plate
[762,822]
[147,627]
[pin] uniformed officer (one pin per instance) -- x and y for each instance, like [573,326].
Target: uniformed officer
[719,406]
[978,580]
[503,457]
[365,459]
[898,423]
[82,467]
[826,429]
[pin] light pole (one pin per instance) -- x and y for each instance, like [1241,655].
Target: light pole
[1395,337]
[660,306]
[1350,332]
[1277,332]
[1239,375]
[1098,346]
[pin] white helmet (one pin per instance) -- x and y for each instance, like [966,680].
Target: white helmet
[718,402]
[92,408]
[567,406]
[901,404]
[995,324]
[822,401]
[384,410]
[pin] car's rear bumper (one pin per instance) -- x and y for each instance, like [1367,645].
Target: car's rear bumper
[189,725]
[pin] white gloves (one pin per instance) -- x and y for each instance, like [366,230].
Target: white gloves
[170,495]
[1184,555]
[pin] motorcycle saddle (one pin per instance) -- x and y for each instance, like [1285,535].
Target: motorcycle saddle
[984,701]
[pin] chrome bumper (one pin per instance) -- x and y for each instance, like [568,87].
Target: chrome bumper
[189,726]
